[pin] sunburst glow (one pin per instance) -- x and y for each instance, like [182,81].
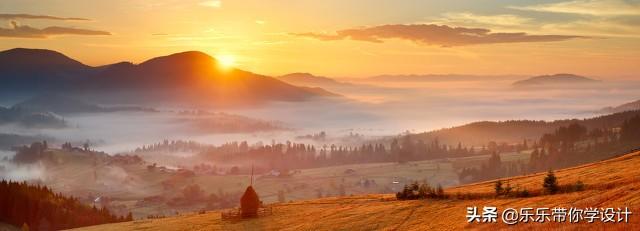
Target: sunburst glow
[226,60]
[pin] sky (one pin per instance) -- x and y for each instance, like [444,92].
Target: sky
[337,38]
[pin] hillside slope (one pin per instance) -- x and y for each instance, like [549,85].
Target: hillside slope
[631,106]
[609,183]
[480,133]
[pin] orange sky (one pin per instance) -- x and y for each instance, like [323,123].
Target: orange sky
[342,38]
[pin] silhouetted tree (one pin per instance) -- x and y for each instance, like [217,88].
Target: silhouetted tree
[550,183]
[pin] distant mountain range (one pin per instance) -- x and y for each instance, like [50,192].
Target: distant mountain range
[557,79]
[310,80]
[192,76]
[632,106]
[436,78]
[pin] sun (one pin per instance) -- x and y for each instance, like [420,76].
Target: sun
[226,61]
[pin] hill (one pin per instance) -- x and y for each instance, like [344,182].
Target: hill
[39,208]
[554,80]
[480,133]
[632,106]
[31,119]
[56,103]
[9,141]
[64,104]
[608,183]
[190,76]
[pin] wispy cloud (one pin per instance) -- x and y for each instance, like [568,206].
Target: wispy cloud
[20,31]
[498,19]
[212,3]
[588,7]
[32,16]
[431,34]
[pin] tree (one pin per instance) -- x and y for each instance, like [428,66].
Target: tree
[85,146]
[440,191]
[630,131]
[550,183]
[193,192]
[498,188]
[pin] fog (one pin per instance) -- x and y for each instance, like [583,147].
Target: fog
[23,172]
[371,110]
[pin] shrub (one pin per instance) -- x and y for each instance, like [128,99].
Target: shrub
[498,188]
[579,186]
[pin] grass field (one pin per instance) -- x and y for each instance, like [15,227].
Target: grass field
[609,183]
[72,173]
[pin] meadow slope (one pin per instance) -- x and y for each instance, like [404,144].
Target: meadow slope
[609,183]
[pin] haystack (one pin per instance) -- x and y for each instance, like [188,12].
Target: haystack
[249,203]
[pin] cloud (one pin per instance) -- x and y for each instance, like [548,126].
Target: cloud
[19,31]
[588,7]
[212,3]
[499,19]
[432,34]
[597,27]
[31,16]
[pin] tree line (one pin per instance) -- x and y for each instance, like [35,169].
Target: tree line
[39,208]
[567,146]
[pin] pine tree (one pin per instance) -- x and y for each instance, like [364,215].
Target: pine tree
[551,183]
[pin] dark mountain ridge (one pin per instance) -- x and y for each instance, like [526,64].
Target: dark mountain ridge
[556,79]
[190,76]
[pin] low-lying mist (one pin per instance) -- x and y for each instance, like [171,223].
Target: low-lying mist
[19,172]
[370,110]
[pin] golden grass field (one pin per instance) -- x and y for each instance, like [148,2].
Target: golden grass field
[610,183]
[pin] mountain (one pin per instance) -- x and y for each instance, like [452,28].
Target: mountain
[557,79]
[632,106]
[609,183]
[190,76]
[38,69]
[38,60]
[434,78]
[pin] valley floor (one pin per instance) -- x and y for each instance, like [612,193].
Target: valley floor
[610,183]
